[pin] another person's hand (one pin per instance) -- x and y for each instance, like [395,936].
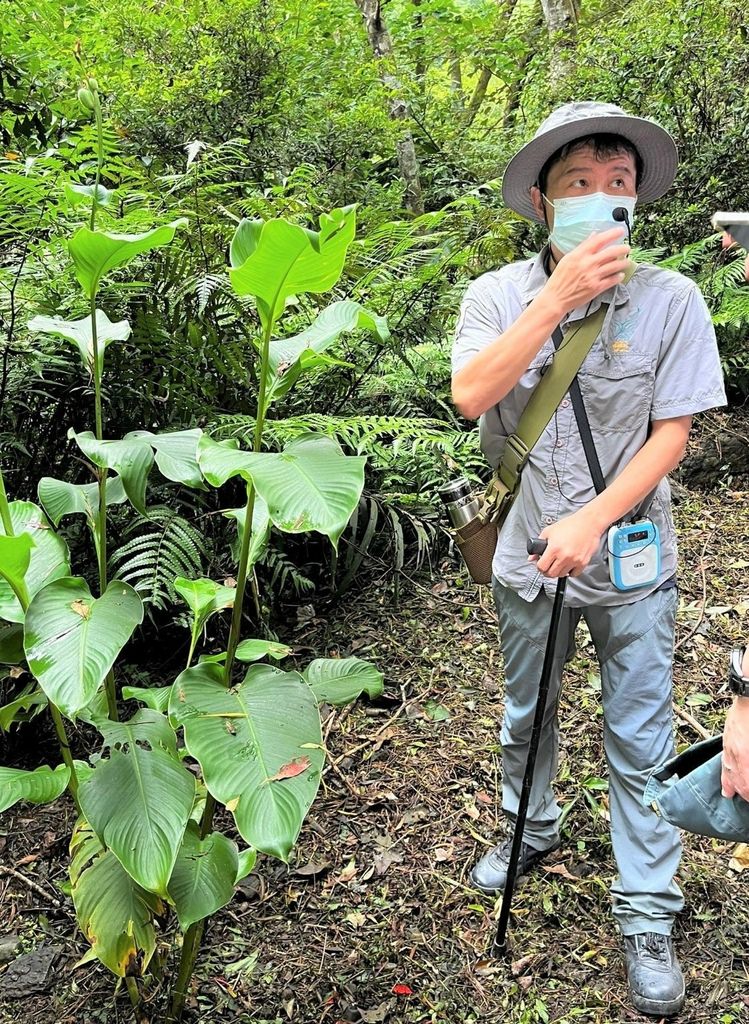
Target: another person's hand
[728,243]
[592,267]
[736,744]
[572,542]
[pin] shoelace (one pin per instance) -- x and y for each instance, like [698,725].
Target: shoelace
[656,946]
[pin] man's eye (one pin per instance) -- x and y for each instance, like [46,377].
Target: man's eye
[618,182]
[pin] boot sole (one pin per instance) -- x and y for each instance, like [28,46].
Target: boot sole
[658,1007]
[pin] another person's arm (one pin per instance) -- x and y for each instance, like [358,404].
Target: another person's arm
[736,744]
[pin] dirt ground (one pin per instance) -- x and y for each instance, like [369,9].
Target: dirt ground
[374,921]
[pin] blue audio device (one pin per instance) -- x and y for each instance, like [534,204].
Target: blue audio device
[634,554]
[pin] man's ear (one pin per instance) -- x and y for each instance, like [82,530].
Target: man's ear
[538,203]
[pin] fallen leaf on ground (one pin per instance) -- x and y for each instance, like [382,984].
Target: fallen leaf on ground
[740,859]
[443,853]
[560,869]
[313,867]
[355,918]
[348,872]
[290,770]
[378,1014]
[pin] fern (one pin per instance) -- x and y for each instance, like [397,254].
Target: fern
[156,550]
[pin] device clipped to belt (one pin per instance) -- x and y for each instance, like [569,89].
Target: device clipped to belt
[634,551]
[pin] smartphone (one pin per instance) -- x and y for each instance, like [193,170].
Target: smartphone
[736,224]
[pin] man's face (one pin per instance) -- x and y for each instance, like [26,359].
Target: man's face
[581,174]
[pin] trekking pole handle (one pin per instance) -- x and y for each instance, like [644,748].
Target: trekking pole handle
[537,546]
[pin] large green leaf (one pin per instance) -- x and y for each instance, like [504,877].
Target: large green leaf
[260,529]
[244,737]
[61,498]
[133,456]
[95,253]
[77,193]
[341,680]
[72,639]
[49,556]
[204,875]
[80,334]
[41,786]
[288,358]
[310,485]
[115,913]
[176,454]
[283,259]
[138,800]
[254,650]
[204,598]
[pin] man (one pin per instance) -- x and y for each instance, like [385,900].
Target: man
[654,365]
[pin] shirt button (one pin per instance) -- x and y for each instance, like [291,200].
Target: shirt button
[559,444]
[548,520]
[565,402]
[553,481]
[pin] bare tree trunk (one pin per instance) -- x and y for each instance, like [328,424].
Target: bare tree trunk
[456,82]
[420,66]
[479,94]
[561,20]
[382,47]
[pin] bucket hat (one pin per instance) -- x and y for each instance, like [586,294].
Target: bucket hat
[576,120]
[686,792]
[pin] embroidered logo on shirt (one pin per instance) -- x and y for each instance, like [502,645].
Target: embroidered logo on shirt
[623,330]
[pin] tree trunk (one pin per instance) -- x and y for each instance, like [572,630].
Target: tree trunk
[479,94]
[382,47]
[561,21]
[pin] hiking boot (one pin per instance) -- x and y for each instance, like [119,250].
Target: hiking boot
[490,874]
[656,984]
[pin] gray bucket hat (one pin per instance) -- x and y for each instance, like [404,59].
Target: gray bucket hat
[686,792]
[576,120]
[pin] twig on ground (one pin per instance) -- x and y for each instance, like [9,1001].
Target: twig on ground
[31,884]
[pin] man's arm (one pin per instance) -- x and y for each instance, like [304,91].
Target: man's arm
[575,539]
[579,277]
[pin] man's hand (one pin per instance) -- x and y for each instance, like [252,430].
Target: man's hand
[736,750]
[572,542]
[592,267]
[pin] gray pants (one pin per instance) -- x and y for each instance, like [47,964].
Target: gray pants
[634,644]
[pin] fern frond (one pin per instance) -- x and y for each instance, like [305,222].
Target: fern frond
[164,546]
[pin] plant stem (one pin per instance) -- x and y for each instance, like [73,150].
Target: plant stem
[99,158]
[132,991]
[194,934]
[4,508]
[190,946]
[67,757]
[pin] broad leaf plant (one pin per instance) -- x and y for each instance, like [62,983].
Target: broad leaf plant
[235,729]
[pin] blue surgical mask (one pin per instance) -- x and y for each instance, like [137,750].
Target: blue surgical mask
[577,217]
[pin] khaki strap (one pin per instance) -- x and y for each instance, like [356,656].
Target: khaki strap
[542,404]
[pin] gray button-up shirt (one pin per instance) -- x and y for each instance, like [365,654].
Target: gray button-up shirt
[656,358]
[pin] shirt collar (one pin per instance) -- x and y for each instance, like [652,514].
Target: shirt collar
[537,278]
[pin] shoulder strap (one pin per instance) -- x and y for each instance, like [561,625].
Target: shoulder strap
[552,388]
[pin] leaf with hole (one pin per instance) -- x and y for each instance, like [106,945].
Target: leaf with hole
[340,681]
[138,800]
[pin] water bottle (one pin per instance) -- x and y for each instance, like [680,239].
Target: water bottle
[461,503]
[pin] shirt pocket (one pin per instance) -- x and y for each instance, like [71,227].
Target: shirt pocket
[618,392]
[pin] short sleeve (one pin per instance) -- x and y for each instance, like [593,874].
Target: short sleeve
[480,322]
[688,376]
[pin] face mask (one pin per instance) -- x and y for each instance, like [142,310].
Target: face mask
[576,218]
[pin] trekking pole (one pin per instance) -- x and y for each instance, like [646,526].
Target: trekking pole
[499,946]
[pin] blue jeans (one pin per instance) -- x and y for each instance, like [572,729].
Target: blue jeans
[634,645]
